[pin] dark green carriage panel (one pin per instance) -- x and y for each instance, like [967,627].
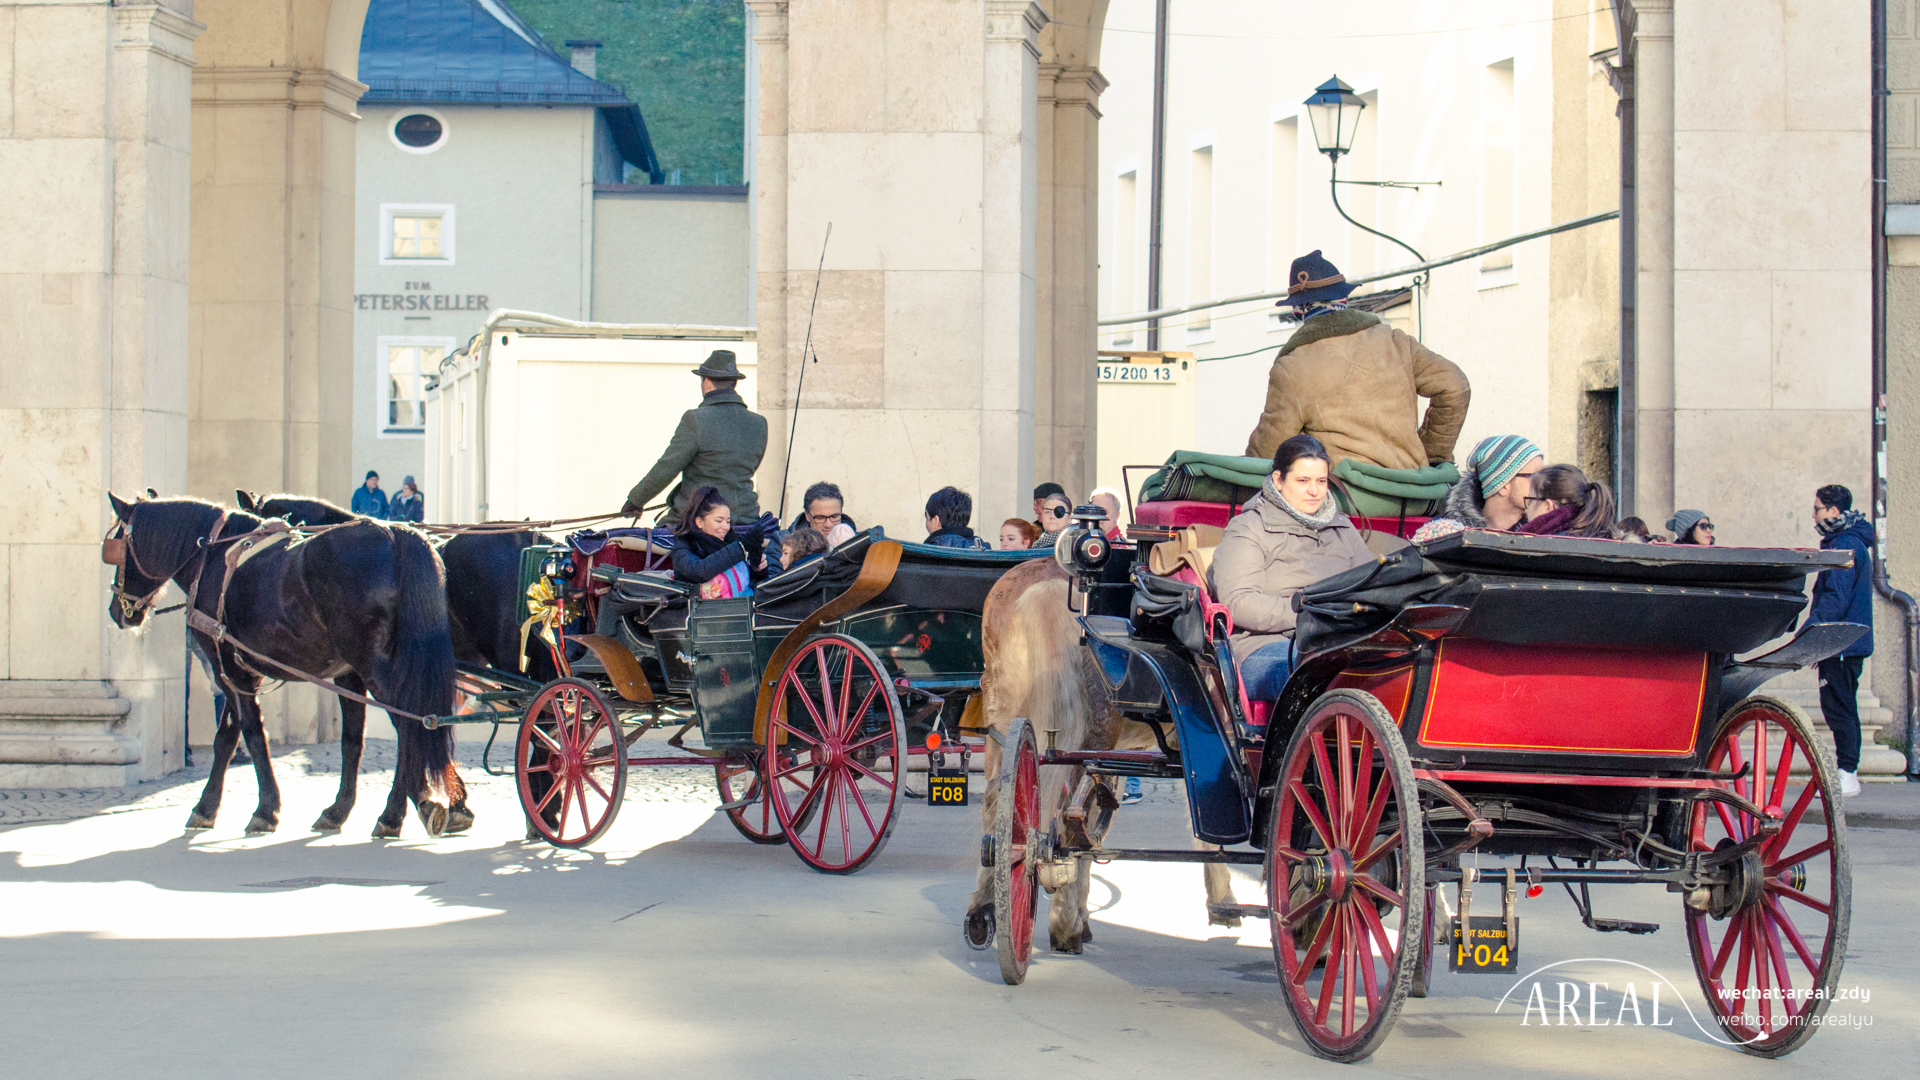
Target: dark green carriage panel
[921,644]
[726,671]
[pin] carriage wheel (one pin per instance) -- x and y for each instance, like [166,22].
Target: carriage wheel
[1423,967]
[1345,876]
[571,763]
[835,754]
[741,781]
[1769,946]
[1016,832]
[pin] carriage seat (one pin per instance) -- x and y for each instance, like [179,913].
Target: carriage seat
[1187,558]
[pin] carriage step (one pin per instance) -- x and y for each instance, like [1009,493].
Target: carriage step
[1609,926]
[737,804]
[1240,911]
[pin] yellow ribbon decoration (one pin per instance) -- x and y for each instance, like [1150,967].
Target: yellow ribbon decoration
[544,610]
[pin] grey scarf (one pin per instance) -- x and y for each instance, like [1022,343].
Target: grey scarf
[1316,522]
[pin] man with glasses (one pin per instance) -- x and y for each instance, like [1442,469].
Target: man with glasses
[1844,595]
[1493,488]
[821,509]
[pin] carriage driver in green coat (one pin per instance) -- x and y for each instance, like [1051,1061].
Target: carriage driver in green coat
[719,443]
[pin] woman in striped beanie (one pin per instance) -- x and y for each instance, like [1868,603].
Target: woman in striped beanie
[1492,493]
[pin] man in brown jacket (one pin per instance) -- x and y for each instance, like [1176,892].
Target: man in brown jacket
[1355,383]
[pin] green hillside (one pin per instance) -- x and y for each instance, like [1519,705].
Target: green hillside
[682,61]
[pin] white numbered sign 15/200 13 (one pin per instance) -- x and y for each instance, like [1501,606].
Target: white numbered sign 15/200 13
[1136,373]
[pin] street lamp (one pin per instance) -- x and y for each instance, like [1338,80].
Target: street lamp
[1334,110]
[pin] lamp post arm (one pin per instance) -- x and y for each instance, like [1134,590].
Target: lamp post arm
[1333,185]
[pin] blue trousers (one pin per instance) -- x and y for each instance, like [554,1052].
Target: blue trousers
[1265,671]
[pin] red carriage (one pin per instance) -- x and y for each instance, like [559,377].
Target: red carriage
[1571,708]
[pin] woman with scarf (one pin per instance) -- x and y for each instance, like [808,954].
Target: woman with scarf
[707,554]
[1565,503]
[1284,539]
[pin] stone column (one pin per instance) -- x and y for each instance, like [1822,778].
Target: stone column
[768,152]
[910,126]
[1653,249]
[93,277]
[1065,420]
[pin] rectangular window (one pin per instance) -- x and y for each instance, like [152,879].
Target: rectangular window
[406,363]
[1200,241]
[416,233]
[1498,219]
[1283,198]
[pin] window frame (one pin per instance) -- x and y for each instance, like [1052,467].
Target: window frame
[383,241]
[393,133]
[383,345]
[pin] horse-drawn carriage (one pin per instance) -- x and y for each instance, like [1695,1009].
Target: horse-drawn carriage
[1553,703]
[811,695]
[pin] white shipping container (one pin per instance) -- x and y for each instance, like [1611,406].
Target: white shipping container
[542,418]
[1147,409]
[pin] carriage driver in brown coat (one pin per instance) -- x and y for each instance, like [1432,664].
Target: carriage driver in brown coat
[720,443]
[1355,383]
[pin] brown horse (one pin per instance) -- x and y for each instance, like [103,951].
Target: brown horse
[1035,667]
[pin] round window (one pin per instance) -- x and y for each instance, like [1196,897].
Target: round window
[418,130]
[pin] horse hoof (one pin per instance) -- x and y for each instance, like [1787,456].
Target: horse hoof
[1231,922]
[1086,934]
[325,823]
[1070,944]
[197,821]
[260,824]
[434,817]
[384,831]
[978,928]
[458,820]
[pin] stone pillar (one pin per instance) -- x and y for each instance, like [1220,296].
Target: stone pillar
[1653,249]
[910,126]
[93,278]
[271,379]
[1068,293]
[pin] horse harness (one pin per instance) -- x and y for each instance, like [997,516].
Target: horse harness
[268,534]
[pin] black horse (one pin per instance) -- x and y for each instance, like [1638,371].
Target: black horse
[483,583]
[363,605]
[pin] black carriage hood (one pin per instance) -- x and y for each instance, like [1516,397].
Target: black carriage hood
[1562,590]
[929,577]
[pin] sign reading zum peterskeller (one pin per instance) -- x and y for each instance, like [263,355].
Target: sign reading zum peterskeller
[420,302]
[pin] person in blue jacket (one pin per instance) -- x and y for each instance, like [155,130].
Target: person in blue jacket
[1844,596]
[368,499]
[948,511]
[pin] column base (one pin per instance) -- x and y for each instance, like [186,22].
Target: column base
[59,733]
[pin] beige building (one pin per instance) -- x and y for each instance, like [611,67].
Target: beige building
[177,258]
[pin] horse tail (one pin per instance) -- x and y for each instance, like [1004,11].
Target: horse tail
[418,677]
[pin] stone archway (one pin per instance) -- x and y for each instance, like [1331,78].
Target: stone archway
[953,147]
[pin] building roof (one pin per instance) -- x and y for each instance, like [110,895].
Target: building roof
[478,52]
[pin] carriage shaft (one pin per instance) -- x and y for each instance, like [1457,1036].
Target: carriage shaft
[1246,858]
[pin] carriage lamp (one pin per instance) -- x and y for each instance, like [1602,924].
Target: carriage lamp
[1334,110]
[1082,549]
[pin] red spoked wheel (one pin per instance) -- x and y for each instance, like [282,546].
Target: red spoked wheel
[834,754]
[571,763]
[741,782]
[1016,862]
[1346,875]
[1768,945]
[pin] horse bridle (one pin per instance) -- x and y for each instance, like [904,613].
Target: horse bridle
[116,549]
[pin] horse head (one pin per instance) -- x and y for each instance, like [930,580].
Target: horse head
[296,509]
[152,542]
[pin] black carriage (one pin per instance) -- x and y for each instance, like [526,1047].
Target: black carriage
[1575,706]
[811,696]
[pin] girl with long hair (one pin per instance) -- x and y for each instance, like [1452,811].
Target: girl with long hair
[1565,503]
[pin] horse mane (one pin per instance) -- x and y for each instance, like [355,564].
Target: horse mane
[301,510]
[169,531]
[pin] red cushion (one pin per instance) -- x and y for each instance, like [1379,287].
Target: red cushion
[1180,513]
[1257,713]
[1392,526]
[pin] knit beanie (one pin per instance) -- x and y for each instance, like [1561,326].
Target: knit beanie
[1497,458]
[1683,521]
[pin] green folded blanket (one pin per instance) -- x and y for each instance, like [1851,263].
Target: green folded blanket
[1432,482]
[1191,475]
[1372,491]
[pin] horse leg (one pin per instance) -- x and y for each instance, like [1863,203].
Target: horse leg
[226,735]
[266,817]
[1219,890]
[978,926]
[353,734]
[420,783]
[459,818]
[395,814]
